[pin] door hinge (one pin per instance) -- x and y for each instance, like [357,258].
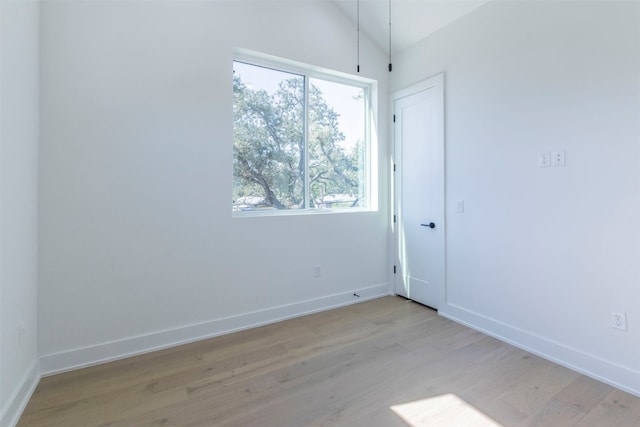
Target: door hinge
[394,269]
[394,167]
[394,118]
[394,219]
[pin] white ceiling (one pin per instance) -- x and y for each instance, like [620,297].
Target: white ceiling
[411,20]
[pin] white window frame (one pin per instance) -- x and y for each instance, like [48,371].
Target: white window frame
[370,144]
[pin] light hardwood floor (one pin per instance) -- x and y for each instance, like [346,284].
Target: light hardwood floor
[386,362]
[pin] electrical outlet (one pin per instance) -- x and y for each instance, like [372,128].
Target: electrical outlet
[619,321]
[316,271]
[459,206]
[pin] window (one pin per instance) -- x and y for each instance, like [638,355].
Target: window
[300,140]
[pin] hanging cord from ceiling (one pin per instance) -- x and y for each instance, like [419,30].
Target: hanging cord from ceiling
[358,37]
[390,66]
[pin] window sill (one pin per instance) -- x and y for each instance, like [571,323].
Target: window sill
[297,212]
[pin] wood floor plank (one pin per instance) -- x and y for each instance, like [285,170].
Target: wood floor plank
[617,409]
[385,362]
[532,393]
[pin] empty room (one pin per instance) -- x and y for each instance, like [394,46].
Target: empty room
[319,212]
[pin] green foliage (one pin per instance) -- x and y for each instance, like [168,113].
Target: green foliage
[269,150]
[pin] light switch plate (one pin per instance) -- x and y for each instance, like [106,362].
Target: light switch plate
[544,159]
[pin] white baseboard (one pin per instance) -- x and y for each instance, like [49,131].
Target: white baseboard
[606,371]
[110,351]
[14,406]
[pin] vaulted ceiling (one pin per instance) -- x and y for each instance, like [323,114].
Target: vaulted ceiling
[411,20]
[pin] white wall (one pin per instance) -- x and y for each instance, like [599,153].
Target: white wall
[542,256]
[19,118]
[138,248]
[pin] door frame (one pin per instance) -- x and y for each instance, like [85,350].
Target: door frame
[437,82]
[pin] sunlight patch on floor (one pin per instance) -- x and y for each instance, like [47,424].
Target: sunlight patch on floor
[446,410]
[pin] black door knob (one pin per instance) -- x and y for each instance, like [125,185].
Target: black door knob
[430,225]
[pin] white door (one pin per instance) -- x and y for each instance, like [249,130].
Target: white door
[419,227]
